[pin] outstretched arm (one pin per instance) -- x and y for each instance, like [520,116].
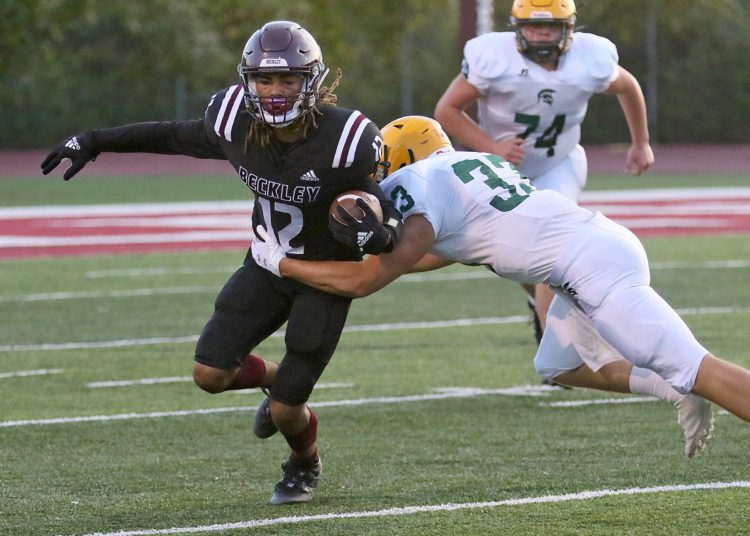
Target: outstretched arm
[640,155]
[164,137]
[358,279]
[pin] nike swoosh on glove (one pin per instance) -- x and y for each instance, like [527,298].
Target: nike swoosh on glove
[80,149]
[266,251]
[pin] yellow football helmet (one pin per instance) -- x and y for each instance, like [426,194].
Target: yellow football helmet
[409,139]
[561,12]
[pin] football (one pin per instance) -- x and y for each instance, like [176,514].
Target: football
[348,200]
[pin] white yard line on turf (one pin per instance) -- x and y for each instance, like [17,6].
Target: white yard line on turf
[409,278]
[25,373]
[188,379]
[87,294]
[673,265]
[119,343]
[159,291]
[429,508]
[627,399]
[599,401]
[413,278]
[142,381]
[440,394]
[139,272]
[459,322]
[192,338]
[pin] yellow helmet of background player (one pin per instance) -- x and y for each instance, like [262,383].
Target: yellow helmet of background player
[409,139]
[561,12]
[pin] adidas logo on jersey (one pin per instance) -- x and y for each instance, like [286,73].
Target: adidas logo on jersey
[363,237]
[309,176]
[73,144]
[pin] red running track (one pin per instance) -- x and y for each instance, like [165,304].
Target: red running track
[35,232]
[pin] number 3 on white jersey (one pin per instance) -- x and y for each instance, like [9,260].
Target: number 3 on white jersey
[500,176]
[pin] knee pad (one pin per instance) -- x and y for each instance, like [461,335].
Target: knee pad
[295,380]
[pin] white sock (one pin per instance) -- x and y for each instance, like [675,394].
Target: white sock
[648,382]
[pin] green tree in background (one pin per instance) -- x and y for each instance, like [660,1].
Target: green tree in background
[70,65]
[702,48]
[93,63]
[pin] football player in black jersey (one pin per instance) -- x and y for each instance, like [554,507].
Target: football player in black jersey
[296,151]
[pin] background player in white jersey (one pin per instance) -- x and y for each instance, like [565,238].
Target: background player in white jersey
[532,88]
[474,208]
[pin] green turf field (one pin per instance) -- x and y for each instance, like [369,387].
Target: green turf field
[420,429]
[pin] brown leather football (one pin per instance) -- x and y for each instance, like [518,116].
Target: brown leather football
[348,200]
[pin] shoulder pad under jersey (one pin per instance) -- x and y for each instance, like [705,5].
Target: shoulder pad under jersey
[358,141]
[598,56]
[222,110]
[487,55]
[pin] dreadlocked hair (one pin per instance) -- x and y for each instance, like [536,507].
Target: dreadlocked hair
[260,132]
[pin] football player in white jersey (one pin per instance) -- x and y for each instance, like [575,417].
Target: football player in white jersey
[608,328]
[532,88]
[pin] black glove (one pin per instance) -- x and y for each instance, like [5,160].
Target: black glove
[393,222]
[373,237]
[81,148]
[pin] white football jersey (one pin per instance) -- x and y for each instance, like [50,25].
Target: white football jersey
[521,98]
[483,212]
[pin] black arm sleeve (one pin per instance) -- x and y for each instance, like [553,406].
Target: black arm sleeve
[187,138]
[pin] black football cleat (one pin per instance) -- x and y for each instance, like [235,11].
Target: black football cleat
[297,483]
[263,425]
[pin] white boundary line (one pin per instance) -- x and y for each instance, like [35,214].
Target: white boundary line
[188,379]
[25,373]
[159,270]
[600,401]
[408,278]
[441,394]
[612,400]
[411,278]
[412,510]
[92,294]
[459,322]
[142,381]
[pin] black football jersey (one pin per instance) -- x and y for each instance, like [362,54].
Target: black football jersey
[293,185]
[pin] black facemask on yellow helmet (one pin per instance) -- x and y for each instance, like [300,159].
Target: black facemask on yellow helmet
[562,12]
